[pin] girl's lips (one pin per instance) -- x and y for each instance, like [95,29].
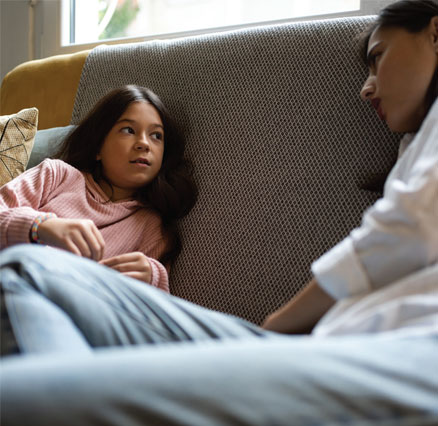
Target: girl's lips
[141,162]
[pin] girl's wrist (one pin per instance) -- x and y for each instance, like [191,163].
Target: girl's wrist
[35,225]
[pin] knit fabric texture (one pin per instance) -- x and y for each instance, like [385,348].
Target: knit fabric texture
[286,155]
[56,187]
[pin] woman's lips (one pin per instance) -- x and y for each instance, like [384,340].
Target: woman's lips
[381,114]
[378,108]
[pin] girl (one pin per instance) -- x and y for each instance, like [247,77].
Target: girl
[380,370]
[115,196]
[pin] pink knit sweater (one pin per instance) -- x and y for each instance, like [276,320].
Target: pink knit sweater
[55,186]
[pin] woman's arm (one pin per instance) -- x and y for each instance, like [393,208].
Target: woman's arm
[301,313]
[398,234]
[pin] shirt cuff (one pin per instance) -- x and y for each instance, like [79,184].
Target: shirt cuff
[339,271]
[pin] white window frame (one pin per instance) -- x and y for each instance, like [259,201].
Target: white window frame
[50,13]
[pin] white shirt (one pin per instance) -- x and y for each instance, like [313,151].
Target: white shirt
[386,271]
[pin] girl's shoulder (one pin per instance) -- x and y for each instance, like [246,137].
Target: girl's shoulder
[55,170]
[58,166]
[54,163]
[150,217]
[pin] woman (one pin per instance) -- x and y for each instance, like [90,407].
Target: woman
[401,51]
[210,368]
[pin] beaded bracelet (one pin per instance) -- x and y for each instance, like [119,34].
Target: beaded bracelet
[36,223]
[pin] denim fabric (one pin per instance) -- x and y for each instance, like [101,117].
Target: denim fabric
[8,343]
[99,349]
[60,302]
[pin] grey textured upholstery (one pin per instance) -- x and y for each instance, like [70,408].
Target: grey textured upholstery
[285,152]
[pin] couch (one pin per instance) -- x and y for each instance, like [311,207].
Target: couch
[285,153]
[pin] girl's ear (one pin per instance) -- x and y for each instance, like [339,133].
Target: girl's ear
[98,157]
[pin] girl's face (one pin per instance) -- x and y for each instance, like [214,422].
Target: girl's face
[132,152]
[401,68]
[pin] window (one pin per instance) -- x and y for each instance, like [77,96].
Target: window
[89,21]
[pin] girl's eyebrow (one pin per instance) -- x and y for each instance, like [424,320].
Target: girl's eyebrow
[128,120]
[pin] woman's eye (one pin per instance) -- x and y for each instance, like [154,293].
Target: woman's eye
[127,130]
[373,59]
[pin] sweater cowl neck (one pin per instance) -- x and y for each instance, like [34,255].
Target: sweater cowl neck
[99,195]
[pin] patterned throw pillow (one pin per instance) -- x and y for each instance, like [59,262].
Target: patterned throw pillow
[17,135]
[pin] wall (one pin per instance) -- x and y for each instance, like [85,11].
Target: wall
[14,34]
[29,29]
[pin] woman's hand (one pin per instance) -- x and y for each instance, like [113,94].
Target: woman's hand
[78,236]
[134,265]
[302,312]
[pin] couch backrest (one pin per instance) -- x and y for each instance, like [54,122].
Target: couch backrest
[286,154]
[39,83]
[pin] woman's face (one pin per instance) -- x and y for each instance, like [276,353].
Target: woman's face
[401,68]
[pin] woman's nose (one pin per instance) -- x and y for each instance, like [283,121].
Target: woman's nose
[368,89]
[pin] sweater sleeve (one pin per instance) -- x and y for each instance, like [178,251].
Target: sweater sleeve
[160,277]
[154,244]
[21,200]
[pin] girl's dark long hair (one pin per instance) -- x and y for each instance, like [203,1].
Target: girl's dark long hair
[411,15]
[172,193]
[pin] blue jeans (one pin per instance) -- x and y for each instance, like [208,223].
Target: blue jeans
[99,348]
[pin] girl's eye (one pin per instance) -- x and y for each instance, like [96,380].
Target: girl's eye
[127,130]
[158,136]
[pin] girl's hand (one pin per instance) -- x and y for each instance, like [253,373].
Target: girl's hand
[134,265]
[78,236]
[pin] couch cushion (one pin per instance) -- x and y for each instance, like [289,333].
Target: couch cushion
[47,143]
[17,134]
[284,150]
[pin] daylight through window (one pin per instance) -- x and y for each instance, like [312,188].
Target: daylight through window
[94,20]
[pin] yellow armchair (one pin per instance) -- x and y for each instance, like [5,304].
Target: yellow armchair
[48,84]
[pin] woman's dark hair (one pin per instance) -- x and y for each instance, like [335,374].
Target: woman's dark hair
[172,193]
[411,15]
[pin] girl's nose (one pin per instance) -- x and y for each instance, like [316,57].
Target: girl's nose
[368,89]
[142,143]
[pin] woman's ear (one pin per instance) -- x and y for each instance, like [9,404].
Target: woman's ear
[434,31]
[98,157]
